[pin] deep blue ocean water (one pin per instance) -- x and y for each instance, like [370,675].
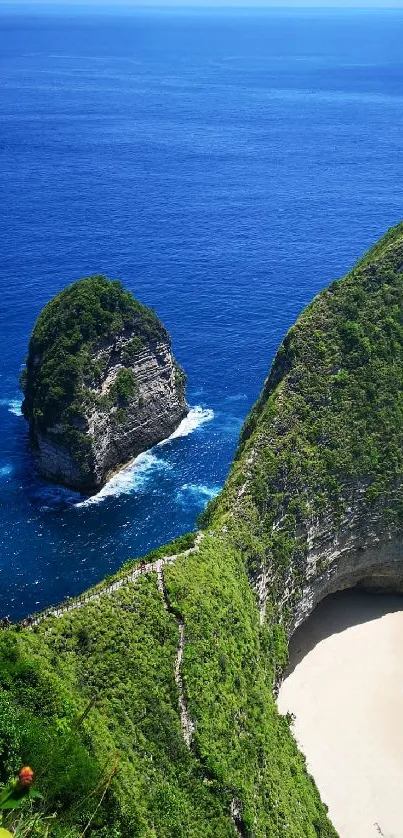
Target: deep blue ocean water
[226,166]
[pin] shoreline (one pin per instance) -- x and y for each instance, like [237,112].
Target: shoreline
[195,417]
[344,686]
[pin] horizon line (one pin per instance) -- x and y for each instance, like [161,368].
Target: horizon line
[293,5]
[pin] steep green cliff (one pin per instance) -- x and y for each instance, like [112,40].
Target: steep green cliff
[147,708]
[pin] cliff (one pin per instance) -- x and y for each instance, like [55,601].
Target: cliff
[320,460]
[101,384]
[154,692]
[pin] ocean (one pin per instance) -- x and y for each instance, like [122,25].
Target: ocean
[226,166]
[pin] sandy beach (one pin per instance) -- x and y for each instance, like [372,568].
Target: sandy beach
[345,687]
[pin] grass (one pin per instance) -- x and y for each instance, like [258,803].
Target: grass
[329,418]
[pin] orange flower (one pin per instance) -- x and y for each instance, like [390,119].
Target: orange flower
[26,776]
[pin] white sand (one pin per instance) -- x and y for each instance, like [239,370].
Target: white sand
[346,692]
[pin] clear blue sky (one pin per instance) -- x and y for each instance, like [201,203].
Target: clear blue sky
[377,4]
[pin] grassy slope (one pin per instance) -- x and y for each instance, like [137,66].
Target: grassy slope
[330,410]
[121,650]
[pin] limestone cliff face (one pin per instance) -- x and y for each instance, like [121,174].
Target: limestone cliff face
[128,395]
[315,497]
[117,433]
[363,549]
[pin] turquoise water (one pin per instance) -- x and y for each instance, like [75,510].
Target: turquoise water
[226,166]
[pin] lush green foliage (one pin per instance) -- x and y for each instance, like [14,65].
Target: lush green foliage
[118,653]
[132,349]
[180,378]
[99,682]
[70,327]
[230,665]
[330,413]
[124,385]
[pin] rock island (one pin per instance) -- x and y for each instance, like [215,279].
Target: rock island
[101,384]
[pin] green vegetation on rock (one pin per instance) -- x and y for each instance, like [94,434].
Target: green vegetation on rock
[101,384]
[124,386]
[117,656]
[68,329]
[133,349]
[96,688]
[118,659]
[330,417]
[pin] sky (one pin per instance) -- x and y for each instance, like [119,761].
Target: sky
[376,4]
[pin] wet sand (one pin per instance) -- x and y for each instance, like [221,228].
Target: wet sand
[345,687]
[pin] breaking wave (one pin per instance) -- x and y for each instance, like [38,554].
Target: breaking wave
[5,471]
[132,478]
[197,416]
[135,476]
[196,494]
[13,405]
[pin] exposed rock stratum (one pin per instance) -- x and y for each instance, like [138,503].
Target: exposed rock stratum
[101,383]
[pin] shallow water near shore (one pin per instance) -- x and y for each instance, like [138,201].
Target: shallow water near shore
[345,687]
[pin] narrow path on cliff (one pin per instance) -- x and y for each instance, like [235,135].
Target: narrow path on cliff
[187,725]
[151,567]
[186,722]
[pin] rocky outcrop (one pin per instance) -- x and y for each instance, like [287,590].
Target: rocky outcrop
[365,550]
[118,432]
[128,395]
[315,497]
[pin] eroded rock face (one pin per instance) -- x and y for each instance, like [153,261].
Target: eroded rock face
[128,392]
[365,550]
[315,497]
[119,433]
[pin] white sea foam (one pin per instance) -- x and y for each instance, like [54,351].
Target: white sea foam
[5,471]
[129,479]
[134,477]
[13,405]
[197,416]
[199,493]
